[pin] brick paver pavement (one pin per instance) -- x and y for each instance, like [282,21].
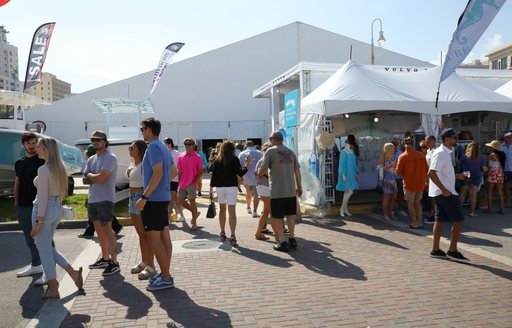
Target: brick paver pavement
[356,272]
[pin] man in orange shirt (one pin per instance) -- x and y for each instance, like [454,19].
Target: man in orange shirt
[412,166]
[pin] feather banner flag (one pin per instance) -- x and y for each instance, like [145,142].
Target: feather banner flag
[471,25]
[37,55]
[165,60]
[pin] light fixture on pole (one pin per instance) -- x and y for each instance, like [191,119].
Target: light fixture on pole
[381,39]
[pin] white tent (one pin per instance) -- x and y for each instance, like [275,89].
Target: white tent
[357,88]
[506,90]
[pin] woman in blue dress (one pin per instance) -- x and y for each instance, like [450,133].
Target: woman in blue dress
[348,172]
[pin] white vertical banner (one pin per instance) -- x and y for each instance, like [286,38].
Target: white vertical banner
[165,60]
[471,25]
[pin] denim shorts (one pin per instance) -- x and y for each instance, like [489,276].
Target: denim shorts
[100,211]
[473,181]
[134,197]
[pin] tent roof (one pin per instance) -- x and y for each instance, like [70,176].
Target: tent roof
[505,89]
[357,88]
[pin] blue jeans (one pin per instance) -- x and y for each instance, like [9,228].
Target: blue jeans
[24,214]
[49,254]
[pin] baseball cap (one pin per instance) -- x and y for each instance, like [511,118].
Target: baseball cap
[447,133]
[508,134]
[277,136]
[99,134]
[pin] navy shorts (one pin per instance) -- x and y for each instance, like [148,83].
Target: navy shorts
[174,186]
[508,176]
[448,209]
[281,207]
[155,216]
[100,211]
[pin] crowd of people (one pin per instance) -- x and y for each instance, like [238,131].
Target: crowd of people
[439,178]
[161,181]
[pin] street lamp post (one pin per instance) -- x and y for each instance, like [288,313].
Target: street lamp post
[381,39]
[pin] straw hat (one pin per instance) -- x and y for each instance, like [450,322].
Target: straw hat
[325,140]
[495,144]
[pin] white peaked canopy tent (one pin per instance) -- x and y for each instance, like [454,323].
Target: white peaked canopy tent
[506,90]
[357,88]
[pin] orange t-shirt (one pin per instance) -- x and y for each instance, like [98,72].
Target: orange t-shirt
[412,166]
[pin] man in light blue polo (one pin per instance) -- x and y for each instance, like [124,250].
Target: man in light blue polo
[249,178]
[158,171]
[507,149]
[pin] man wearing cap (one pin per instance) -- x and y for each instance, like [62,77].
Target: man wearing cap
[100,173]
[412,166]
[442,188]
[285,186]
[249,178]
[507,149]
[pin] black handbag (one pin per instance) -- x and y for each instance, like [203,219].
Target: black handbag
[212,211]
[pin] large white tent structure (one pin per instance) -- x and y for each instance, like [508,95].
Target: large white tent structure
[209,96]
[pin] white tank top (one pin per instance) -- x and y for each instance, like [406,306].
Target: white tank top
[136,177]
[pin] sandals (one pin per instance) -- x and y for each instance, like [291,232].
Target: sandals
[233,241]
[222,236]
[47,296]
[262,237]
[147,273]
[266,231]
[138,268]
[79,282]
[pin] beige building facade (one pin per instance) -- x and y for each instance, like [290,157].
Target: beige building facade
[9,79]
[50,89]
[501,58]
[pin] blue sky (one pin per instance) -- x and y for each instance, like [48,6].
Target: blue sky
[96,42]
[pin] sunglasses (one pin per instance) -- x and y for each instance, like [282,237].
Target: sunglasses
[96,139]
[143,129]
[424,147]
[131,148]
[188,144]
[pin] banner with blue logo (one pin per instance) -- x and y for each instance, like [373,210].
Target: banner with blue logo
[291,109]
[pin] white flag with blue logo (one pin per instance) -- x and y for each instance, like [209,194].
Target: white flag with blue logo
[471,25]
[165,60]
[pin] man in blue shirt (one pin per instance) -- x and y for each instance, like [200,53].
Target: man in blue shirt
[158,171]
[249,178]
[507,149]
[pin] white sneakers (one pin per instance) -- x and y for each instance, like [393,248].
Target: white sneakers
[30,271]
[255,215]
[41,281]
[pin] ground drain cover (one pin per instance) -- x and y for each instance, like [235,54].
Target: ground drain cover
[201,244]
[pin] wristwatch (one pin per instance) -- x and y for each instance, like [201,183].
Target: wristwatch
[144,197]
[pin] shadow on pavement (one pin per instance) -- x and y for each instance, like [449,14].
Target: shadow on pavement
[78,320]
[13,259]
[31,301]
[121,292]
[184,312]
[264,257]
[318,258]
[372,238]
[499,272]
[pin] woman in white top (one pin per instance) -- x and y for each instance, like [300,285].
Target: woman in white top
[146,268]
[51,183]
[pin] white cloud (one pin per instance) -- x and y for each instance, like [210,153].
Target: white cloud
[492,43]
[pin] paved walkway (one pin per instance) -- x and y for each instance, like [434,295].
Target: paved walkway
[356,272]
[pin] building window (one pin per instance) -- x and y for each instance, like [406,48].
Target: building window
[503,63]
[494,64]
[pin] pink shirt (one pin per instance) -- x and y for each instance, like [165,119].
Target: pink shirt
[189,166]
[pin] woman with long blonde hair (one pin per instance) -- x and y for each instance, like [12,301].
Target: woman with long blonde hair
[389,183]
[51,183]
[473,162]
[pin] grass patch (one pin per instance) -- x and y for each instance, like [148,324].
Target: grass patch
[77,202]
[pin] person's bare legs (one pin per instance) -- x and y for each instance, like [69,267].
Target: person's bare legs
[161,252]
[232,219]
[264,215]
[385,206]
[499,188]
[222,217]
[174,203]
[191,206]
[418,209]
[145,249]
[455,233]
[290,219]
[463,192]
[436,234]
[102,237]
[111,238]
[255,202]
[278,228]
[411,207]
[248,196]
[472,197]
[490,189]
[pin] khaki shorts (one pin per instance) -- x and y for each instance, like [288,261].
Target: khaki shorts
[189,193]
[410,195]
